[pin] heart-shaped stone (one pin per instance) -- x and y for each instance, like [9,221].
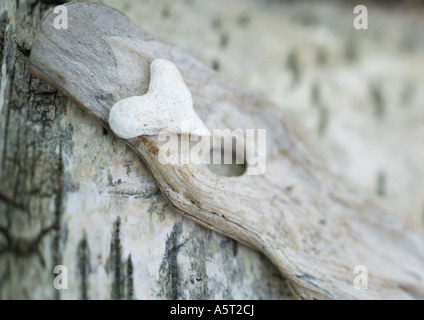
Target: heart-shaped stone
[167,105]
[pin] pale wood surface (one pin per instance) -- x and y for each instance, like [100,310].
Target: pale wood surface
[314,227]
[72,194]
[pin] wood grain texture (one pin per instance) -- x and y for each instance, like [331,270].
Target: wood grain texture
[314,227]
[72,194]
[31,161]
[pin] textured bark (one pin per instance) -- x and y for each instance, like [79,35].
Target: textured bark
[31,162]
[73,195]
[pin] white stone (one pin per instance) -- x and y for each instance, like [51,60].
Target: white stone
[165,106]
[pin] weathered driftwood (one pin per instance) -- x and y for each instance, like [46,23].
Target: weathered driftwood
[314,227]
[73,195]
